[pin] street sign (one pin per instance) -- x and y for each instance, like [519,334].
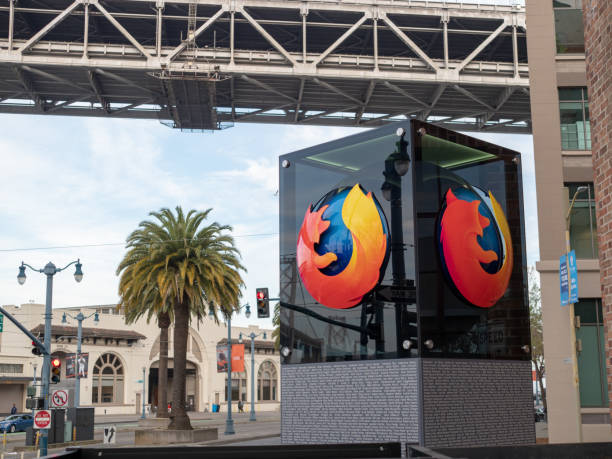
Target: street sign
[568,275]
[110,434]
[1,323]
[396,294]
[59,398]
[42,419]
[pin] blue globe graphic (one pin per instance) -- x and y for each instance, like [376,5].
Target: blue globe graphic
[337,238]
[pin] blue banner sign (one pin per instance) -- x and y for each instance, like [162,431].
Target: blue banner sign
[568,273]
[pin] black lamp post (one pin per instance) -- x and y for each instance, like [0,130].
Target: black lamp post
[397,165]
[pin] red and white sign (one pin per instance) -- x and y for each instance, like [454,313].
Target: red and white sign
[59,398]
[42,419]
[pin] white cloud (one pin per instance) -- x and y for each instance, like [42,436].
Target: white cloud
[91,181]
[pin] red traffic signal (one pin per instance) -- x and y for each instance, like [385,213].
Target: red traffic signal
[56,370]
[35,349]
[263,303]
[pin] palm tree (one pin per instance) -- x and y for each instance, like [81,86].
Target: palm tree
[195,270]
[137,306]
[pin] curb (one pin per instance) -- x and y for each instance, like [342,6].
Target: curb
[238,440]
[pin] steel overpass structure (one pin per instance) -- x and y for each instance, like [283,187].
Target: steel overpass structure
[206,64]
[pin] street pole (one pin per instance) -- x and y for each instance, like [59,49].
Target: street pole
[252,418]
[77,376]
[575,373]
[229,423]
[34,385]
[144,370]
[49,271]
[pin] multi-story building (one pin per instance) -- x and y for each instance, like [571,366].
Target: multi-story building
[119,355]
[564,170]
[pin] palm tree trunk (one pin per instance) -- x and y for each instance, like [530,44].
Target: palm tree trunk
[163,320]
[179,418]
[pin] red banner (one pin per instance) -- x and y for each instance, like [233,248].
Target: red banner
[237,358]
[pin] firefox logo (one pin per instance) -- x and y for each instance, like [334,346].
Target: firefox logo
[343,247]
[475,246]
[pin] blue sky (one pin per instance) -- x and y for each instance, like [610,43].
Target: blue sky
[89,182]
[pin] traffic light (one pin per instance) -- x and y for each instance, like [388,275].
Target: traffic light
[35,349]
[263,303]
[56,370]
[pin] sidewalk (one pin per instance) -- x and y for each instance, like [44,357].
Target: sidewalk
[195,417]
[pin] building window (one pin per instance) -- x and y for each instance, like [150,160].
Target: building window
[583,222]
[575,125]
[239,387]
[12,368]
[267,382]
[107,381]
[569,30]
[592,358]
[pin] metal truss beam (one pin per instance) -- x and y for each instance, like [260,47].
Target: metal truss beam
[29,87]
[341,39]
[281,68]
[97,88]
[366,101]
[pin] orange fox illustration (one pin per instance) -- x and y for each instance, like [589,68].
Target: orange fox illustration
[461,224]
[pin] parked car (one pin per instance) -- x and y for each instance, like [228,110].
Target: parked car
[16,422]
[539,414]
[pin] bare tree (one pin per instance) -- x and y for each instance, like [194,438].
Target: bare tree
[535,323]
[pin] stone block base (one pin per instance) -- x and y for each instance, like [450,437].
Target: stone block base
[154,423]
[168,437]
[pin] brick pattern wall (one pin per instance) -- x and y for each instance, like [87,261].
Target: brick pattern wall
[597,16]
[350,402]
[477,402]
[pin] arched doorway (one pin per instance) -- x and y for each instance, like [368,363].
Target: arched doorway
[193,378]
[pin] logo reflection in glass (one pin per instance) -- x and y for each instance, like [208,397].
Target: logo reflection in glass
[342,246]
[475,245]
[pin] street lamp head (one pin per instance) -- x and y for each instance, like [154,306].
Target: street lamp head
[582,189]
[96,318]
[21,277]
[64,319]
[240,338]
[386,190]
[400,132]
[402,166]
[247,311]
[78,273]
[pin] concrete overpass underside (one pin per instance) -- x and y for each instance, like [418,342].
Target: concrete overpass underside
[207,64]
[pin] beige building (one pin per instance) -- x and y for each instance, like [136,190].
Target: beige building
[563,163]
[119,355]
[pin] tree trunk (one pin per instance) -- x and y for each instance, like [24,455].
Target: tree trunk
[179,418]
[540,377]
[163,320]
